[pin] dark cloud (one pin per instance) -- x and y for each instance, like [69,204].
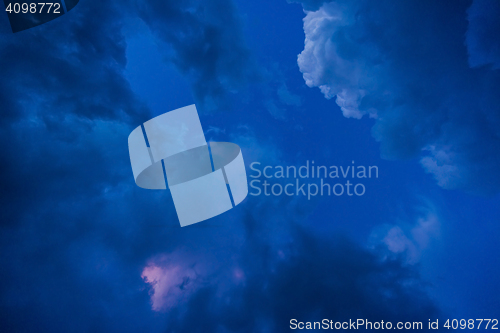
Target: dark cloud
[482,39]
[63,97]
[405,64]
[204,40]
[65,110]
[72,65]
[307,279]
[75,232]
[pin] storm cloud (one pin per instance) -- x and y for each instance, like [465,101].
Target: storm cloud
[83,249]
[308,279]
[415,67]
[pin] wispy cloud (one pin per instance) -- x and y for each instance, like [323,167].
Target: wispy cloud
[409,238]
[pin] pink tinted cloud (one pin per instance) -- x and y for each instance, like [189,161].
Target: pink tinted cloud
[171,283]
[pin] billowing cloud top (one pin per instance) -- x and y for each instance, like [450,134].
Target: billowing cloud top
[426,72]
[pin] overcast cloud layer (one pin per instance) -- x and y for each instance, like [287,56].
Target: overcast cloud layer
[83,251]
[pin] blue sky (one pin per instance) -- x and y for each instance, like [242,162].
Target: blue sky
[411,87]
